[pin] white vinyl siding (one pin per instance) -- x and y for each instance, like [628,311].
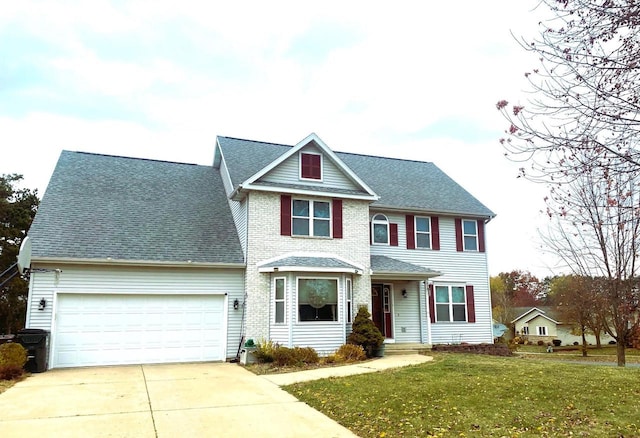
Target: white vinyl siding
[136,280]
[288,172]
[457,267]
[407,313]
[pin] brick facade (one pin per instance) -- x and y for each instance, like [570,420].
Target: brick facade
[265,242]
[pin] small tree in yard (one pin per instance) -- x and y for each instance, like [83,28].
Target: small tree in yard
[365,333]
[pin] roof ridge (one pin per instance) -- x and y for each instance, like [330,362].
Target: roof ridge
[256,141]
[96,154]
[385,158]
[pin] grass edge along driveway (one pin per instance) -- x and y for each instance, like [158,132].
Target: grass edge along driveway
[474,395]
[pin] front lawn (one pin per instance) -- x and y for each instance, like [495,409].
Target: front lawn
[474,395]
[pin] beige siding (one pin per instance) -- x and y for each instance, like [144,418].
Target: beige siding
[135,280]
[288,172]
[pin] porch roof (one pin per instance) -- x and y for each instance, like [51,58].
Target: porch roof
[387,267]
[306,263]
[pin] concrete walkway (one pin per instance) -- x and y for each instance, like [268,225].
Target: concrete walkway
[174,400]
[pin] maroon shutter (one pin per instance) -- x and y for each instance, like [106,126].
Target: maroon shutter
[435,233]
[411,235]
[285,215]
[459,246]
[481,235]
[393,234]
[432,306]
[471,305]
[337,218]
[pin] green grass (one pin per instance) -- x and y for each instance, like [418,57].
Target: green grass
[473,395]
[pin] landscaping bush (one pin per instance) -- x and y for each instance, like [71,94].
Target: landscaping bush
[306,355]
[541,342]
[13,354]
[576,343]
[350,353]
[10,372]
[365,333]
[612,342]
[264,352]
[284,356]
[490,349]
[557,342]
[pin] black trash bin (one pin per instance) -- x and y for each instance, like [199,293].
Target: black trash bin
[35,342]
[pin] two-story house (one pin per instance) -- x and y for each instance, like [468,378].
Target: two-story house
[138,261]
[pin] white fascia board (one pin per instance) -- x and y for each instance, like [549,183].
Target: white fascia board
[312,191]
[285,268]
[122,262]
[311,137]
[526,321]
[390,275]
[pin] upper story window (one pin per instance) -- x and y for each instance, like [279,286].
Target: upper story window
[380,229]
[423,232]
[311,218]
[310,166]
[470,235]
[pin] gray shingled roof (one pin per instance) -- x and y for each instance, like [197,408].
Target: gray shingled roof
[383,264]
[312,262]
[99,206]
[402,184]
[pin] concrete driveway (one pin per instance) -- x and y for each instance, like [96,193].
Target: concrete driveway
[194,400]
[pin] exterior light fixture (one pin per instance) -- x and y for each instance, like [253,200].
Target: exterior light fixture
[236,304]
[404,293]
[42,304]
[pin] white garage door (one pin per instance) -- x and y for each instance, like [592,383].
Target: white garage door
[129,329]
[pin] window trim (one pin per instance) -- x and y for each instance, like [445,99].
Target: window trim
[311,218]
[525,330]
[283,300]
[297,299]
[416,232]
[475,236]
[300,169]
[541,330]
[385,222]
[450,303]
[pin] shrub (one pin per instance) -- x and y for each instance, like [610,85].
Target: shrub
[612,342]
[13,354]
[557,342]
[365,333]
[265,350]
[541,342]
[306,355]
[350,353]
[330,359]
[10,372]
[284,356]
[576,343]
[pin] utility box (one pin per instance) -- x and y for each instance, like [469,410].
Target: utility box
[35,342]
[247,356]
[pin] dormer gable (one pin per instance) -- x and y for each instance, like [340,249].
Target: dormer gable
[310,168]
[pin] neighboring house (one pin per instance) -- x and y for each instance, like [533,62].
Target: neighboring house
[544,324]
[142,261]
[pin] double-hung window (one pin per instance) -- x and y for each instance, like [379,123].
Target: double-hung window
[451,304]
[470,235]
[279,299]
[317,299]
[541,330]
[423,232]
[380,229]
[525,330]
[311,218]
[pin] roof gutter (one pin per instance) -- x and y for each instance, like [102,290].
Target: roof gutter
[123,262]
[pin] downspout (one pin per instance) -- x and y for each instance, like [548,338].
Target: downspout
[426,295]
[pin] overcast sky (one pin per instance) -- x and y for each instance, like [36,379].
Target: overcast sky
[160,79]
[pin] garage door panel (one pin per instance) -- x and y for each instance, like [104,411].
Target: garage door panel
[126,329]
